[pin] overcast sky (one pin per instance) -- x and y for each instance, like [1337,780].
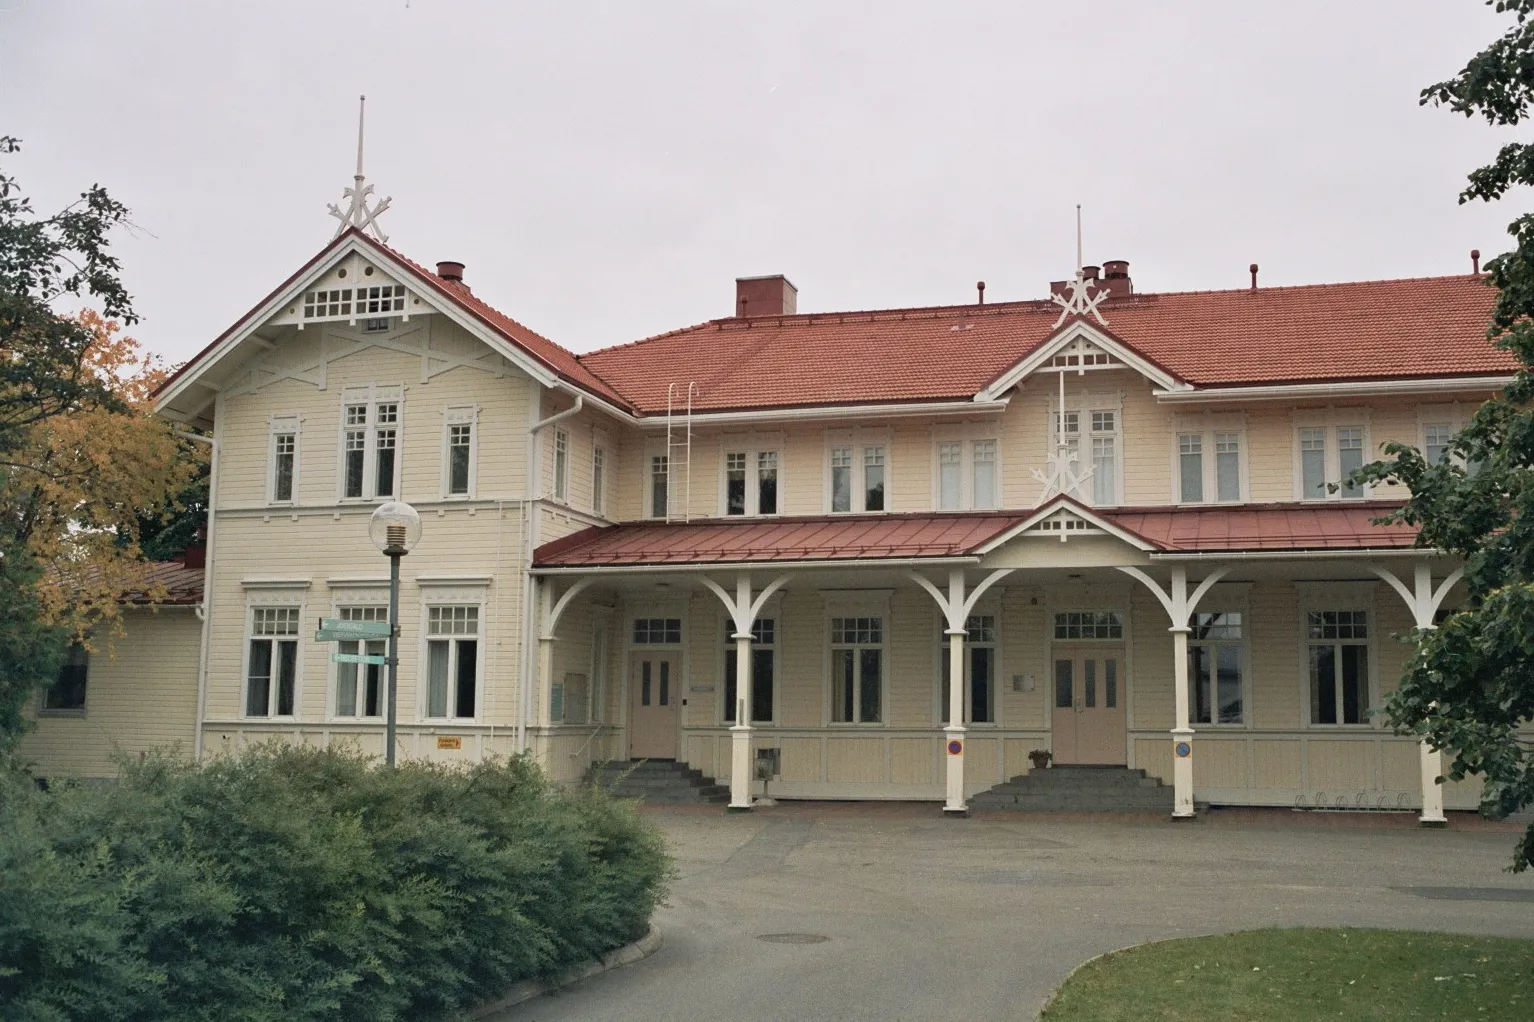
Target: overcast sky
[606,169]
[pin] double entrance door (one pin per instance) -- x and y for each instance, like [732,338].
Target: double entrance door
[1088,721]
[655,700]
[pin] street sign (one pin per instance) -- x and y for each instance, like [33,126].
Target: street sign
[359,658]
[336,630]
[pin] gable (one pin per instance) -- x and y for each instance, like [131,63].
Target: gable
[1080,347]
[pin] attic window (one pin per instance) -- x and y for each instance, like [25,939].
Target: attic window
[381,298]
[324,304]
[377,325]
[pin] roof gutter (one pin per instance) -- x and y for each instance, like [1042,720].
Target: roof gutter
[1292,555]
[1341,388]
[826,412]
[699,569]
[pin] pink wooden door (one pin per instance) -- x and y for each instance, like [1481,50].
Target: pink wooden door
[655,698]
[1088,721]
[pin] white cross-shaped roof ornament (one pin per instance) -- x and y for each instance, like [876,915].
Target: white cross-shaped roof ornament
[357,213]
[1082,301]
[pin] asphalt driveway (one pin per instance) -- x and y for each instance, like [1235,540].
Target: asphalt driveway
[893,912]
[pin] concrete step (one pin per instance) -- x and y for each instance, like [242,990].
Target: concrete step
[1078,789]
[657,781]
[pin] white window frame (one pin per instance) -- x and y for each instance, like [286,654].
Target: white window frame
[1456,416]
[601,664]
[991,610]
[1243,644]
[1209,428]
[452,601]
[369,606]
[726,628]
[599,475]
[1334,596]
[1330,422]
[653,454]
[970,443]
[865,604]
[465,415]
[859,443]
[278,426]
[561,465]
[371,396]
[1085,405]
[752,448]
[265,602]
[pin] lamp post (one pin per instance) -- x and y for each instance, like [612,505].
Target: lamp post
[394,528]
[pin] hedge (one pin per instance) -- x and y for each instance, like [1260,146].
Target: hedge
[294,883]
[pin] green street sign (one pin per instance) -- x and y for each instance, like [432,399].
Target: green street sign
[336,630]
[358,658]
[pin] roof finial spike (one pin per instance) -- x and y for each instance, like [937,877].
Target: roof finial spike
[1078,229]
[1082,302]
[357,213]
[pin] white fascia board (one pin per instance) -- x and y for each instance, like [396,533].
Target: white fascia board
[1355,553]
[836,412]
[1059,504]
[704,567]
[401,272]
[1342,388]
[1041,355]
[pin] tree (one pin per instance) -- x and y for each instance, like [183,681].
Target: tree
[1469,685]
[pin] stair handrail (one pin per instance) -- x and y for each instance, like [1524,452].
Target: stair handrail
[589,739]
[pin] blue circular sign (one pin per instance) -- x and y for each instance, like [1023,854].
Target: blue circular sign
[1184,750]
[955,747]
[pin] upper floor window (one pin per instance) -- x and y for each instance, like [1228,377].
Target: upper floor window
[561,464]
[660,485]
[1209,467]
[282,457]
[1440,425]
[1215,655]
[370,434]
[1328,456]
[452,661]
[1092,435]
[751,482]
[1339,666]
[857,477]
[598,478]
[972,486]
[459,465]
[271,671]
[66,696]
[979,671]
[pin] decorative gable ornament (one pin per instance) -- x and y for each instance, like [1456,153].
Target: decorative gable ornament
[1081,300]
[358,213]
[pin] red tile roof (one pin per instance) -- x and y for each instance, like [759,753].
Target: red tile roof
[1431,326]
[868,537]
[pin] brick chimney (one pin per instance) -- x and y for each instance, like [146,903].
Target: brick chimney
[1112,276]
[772,295]
[452,271]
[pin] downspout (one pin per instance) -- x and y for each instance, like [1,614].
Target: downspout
[534,487]
[204,609]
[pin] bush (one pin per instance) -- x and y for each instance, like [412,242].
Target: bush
[297,884]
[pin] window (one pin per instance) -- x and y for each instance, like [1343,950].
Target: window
[1102,439]
[561,465]
[598,480]
[570,700]
[751,482]
[272,668]
[337,303]
[452,661]
[956,488]
[359,687]
[1201,478]
[660,485]
[857,669]
[1339,666]
[657,631]
[1328,456]
[66,696]
[1436,436]
[1440,425]
[767,482]
[598,671]
[1089,624]
[1215,654]
[370,424]
[283,458]
[763,658]
[328,304]
[459,467]
[376,325]
[858,477]
[979,671]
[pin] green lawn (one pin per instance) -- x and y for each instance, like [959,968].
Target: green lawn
[1265,975]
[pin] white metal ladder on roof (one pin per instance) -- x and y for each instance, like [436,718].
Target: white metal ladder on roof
[679,439]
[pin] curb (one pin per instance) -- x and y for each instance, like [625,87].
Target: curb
[1055,993]
[529,989]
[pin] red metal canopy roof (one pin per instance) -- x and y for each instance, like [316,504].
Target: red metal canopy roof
[1331,526]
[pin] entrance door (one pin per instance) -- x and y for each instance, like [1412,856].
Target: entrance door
[1088,721]
[654,703]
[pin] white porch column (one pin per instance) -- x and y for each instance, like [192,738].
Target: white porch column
[743,610]
[1179,606]
[955,608]
[1423,601]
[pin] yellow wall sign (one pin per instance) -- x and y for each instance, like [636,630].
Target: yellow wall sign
[449,742]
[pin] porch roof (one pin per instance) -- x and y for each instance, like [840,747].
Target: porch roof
[913,536]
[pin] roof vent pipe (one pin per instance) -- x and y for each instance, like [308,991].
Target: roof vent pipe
[1253,268]
[450,271]
[980,287]
[1475,260]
